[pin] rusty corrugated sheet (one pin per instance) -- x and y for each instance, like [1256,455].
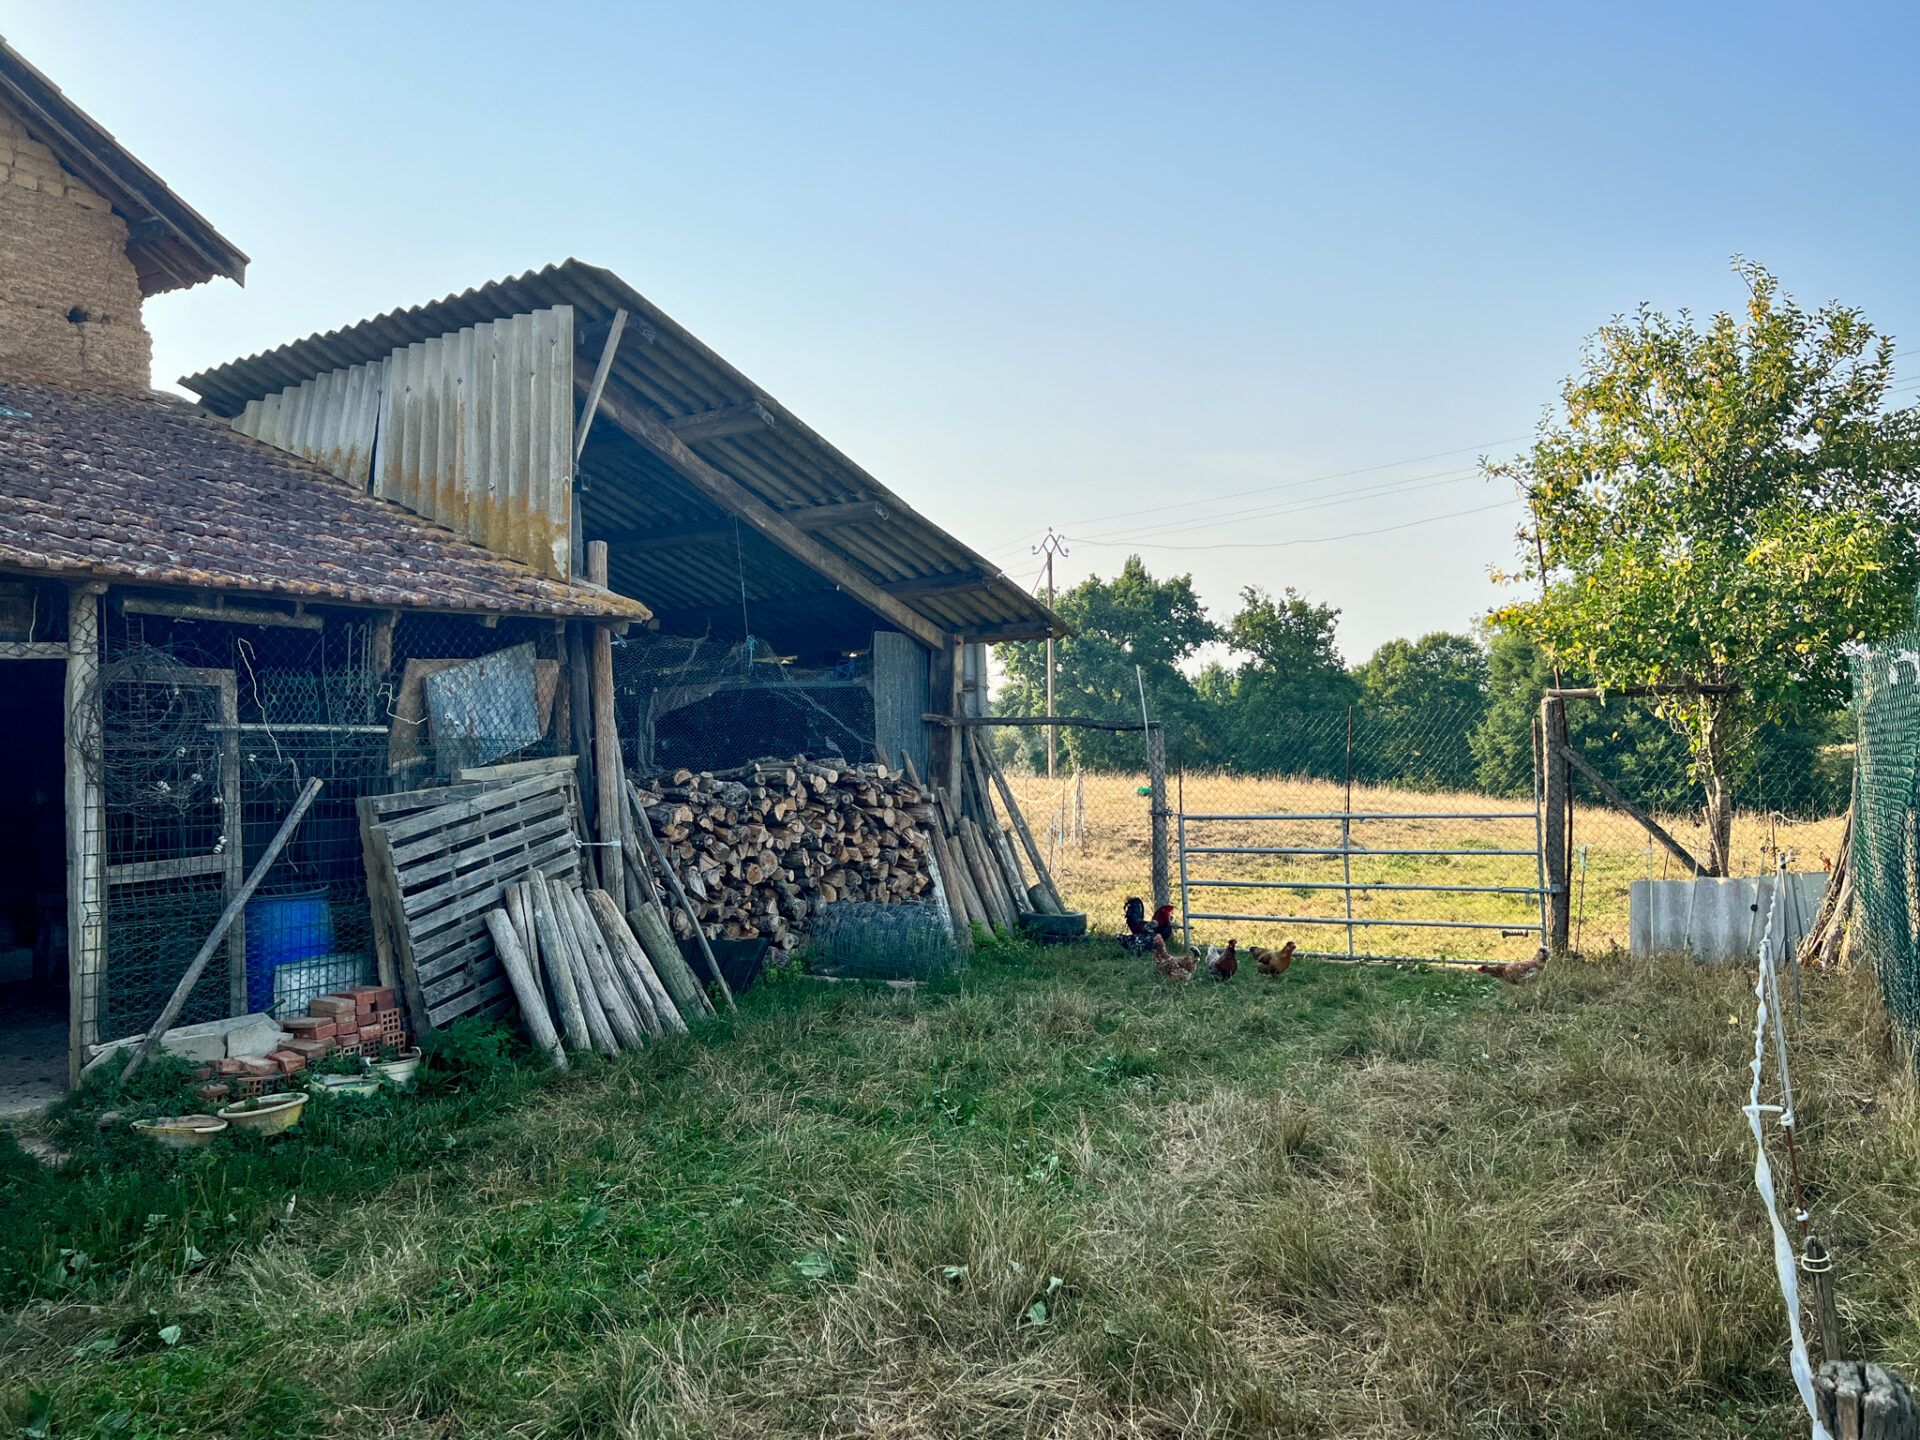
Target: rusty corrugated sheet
[329,420]
[476,431]
[667,371]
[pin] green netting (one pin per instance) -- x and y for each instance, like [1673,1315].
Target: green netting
[1886,689]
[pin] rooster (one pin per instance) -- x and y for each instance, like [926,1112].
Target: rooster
[1517,972]
[1272,963]
[1224,966]
[1140,935]
[1178,968]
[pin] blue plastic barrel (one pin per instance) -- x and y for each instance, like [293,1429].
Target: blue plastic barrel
[280,930]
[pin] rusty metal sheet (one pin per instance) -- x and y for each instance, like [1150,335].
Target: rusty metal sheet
[329,420]
[476,431]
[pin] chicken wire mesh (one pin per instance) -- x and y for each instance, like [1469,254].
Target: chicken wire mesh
[1886,836]
[861,940]
[209,731]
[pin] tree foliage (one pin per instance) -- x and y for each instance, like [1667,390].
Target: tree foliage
[1727,503]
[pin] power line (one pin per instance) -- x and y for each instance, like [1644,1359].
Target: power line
[1294,507]
[1304,540]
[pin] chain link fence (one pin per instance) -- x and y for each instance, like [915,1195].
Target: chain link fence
[1886,835]
[1413,814]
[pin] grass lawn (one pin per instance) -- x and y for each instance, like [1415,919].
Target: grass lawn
[1057,1197]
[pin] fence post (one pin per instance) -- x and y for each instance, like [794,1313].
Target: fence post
[1157,784]
[1553,820]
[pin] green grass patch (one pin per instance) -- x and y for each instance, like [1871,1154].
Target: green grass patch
[1051,1196]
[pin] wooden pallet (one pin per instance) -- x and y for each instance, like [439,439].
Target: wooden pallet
[438,859]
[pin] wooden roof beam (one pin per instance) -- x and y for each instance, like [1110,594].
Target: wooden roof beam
[723,490]
[729,420]
[949,583]
[705,532]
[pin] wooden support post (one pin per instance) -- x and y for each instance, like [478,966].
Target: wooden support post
[609,770]
[942,738]
[86,826]
[580,718]
[1553,820]
[1160,811]
[1864,1402]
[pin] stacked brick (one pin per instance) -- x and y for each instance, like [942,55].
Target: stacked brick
[363,1021]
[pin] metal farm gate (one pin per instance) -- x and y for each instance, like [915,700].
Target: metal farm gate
[1392,878]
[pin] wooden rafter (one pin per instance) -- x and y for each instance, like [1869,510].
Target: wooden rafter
[722,489]
[812,518]
[741,419]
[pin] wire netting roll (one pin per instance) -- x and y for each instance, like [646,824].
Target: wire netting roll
[862,940]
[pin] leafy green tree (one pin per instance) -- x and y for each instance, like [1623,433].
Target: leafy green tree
[1420,699]
[1133,619]
[1723,504]
[1277,713]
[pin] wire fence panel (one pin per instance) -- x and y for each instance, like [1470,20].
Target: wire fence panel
[1886,835]
[1449,831]
[209,732]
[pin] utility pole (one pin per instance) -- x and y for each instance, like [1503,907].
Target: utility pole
[1053,545]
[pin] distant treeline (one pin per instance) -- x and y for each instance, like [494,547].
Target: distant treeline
[1445,711]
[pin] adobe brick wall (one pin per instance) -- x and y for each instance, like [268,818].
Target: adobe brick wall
[69,298]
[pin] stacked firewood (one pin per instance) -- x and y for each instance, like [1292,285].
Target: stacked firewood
[762,847]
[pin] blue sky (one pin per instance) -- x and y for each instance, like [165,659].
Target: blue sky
[1056,263]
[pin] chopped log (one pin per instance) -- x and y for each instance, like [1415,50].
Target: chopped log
[526,986]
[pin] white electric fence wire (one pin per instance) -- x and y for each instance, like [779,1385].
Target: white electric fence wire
[1766,994]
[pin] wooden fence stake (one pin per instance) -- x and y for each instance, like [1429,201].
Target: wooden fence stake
[171,1010]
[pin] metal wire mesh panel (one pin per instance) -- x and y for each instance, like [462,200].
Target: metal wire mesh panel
[1886,834]
[209,732]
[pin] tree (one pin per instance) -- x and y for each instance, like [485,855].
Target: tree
[1420,699]
[1130,620]
[1723,505]
[1277,714]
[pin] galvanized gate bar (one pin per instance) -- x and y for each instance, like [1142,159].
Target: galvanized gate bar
[1367,885]
[1516,927]
[1379,815]
[1331,850]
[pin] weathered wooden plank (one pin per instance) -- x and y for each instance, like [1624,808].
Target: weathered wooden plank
[421,905]
[488,800]
[488,998]
[424,846]
[139,872]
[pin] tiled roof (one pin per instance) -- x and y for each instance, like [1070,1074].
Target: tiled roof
[148,488]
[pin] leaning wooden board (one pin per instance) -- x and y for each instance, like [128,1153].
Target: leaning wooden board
[440,859]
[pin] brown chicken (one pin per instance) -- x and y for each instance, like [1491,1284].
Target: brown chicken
[1518,972]
[1225,966]
[1272,963]
[1177,968]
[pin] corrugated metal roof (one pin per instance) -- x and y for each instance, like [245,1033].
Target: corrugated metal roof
[668,373]
[171,244]
[147,488]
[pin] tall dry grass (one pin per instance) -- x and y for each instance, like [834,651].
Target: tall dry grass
[1362,1202]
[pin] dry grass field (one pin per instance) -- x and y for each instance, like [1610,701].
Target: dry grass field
[1096,832]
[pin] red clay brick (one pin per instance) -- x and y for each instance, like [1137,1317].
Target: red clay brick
[334,1007]
[311,1049]
[312,1027]
[213,1090]
[290,1062]
[371,998]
